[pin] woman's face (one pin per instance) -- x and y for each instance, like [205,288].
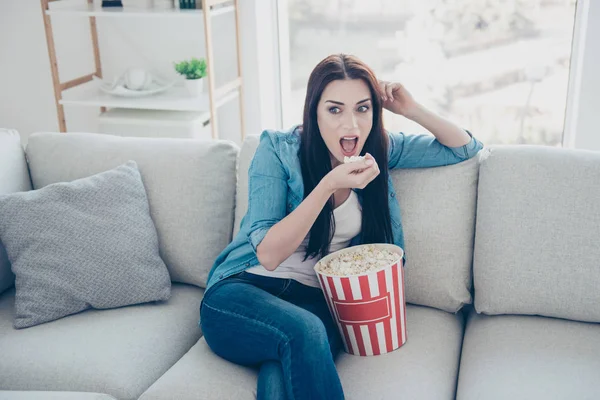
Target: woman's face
[345,117]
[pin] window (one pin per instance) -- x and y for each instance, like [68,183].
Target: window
[499,68]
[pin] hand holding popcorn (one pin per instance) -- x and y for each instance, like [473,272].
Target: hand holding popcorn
[353,175]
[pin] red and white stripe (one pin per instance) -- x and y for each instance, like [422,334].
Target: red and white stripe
[369,310]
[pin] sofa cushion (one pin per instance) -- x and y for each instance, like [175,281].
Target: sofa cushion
[120,351]
[14,177]
[538,224]
[202,375]
[438,219]
[89,243]
[529,357]
[190,186]
[425,367]
[39,395]
[438,213]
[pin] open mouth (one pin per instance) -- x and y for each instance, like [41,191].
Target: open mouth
[349,145]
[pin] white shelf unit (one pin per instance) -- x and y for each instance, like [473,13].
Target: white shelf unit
[84,91]
[174,99]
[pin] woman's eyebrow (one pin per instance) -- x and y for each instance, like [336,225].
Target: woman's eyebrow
[342,104]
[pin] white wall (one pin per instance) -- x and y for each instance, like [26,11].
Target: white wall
[26,96]
[26,92]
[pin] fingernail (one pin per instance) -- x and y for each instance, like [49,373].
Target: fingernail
[369,162]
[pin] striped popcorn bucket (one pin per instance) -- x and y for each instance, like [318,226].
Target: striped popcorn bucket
[369,308]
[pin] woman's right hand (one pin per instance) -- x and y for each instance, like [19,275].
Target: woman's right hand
[354,175]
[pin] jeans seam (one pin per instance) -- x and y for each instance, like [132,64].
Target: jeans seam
[289,365]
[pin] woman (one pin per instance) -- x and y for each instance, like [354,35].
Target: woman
[263,305]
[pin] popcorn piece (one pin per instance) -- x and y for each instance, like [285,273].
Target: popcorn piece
[353,159]
[360,261]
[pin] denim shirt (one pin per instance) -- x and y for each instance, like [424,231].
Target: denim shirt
[275,189]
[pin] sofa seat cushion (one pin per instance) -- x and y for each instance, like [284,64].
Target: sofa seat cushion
[426,367]
[529,357]
[202,375]
[120,351]
[40,395]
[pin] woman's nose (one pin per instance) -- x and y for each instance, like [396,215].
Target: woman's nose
[350,121]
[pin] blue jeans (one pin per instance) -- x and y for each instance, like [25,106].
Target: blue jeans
[279,325]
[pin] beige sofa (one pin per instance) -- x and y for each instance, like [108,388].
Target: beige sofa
[513,233]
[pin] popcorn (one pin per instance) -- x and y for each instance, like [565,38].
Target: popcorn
[360,261]
[353,159]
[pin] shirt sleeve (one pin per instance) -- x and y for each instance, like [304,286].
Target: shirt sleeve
[422,151]
[267,191]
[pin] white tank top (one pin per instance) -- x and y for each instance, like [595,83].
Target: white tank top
[347,225]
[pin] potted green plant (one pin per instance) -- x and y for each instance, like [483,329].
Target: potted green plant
[194,71]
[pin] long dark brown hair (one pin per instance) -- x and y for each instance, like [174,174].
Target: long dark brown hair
[315,158]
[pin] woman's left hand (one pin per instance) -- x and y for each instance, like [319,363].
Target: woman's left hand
[397,99]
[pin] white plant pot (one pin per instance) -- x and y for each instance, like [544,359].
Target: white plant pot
[195,87]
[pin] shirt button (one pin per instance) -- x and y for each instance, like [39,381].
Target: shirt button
[247,264]
[220,276]
[393,195]
[290,206]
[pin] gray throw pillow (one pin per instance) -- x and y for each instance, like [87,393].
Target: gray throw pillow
[89,243]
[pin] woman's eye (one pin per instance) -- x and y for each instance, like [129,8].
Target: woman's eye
[335,110]
[363,109]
